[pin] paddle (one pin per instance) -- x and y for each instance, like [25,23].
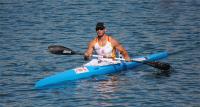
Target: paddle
[61,50]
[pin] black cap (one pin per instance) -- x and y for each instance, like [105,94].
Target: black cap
[100,25]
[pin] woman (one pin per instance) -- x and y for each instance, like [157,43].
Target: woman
[105,45]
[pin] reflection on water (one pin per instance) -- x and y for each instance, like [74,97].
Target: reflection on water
[107,86]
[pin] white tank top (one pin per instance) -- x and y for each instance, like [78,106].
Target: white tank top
[106,50]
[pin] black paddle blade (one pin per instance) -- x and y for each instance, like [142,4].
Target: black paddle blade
[60,50]
[159,65]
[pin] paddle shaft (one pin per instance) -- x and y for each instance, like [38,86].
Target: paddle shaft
[61,50]
[155,64]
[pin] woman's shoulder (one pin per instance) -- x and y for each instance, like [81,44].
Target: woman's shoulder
[113,40]
[93,41]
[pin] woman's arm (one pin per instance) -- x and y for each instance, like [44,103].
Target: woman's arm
[120,48]
[89,51]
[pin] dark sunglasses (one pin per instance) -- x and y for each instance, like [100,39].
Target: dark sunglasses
[99,28]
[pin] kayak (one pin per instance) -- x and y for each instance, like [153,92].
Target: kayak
[88,70]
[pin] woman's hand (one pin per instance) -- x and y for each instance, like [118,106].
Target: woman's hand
[86,56]
[128,59]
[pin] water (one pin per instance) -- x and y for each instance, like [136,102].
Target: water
[28,27]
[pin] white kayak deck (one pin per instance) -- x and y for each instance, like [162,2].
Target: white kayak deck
[108,61]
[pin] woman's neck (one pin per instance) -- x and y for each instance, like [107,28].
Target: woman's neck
[102,37]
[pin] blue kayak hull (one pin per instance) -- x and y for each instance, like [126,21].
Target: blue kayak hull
[88,71]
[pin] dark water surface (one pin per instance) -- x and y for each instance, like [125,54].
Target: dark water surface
[28,27]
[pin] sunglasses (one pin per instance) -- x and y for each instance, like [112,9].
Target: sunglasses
[99,28]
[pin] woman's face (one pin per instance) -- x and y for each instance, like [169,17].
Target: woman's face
[101,32]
